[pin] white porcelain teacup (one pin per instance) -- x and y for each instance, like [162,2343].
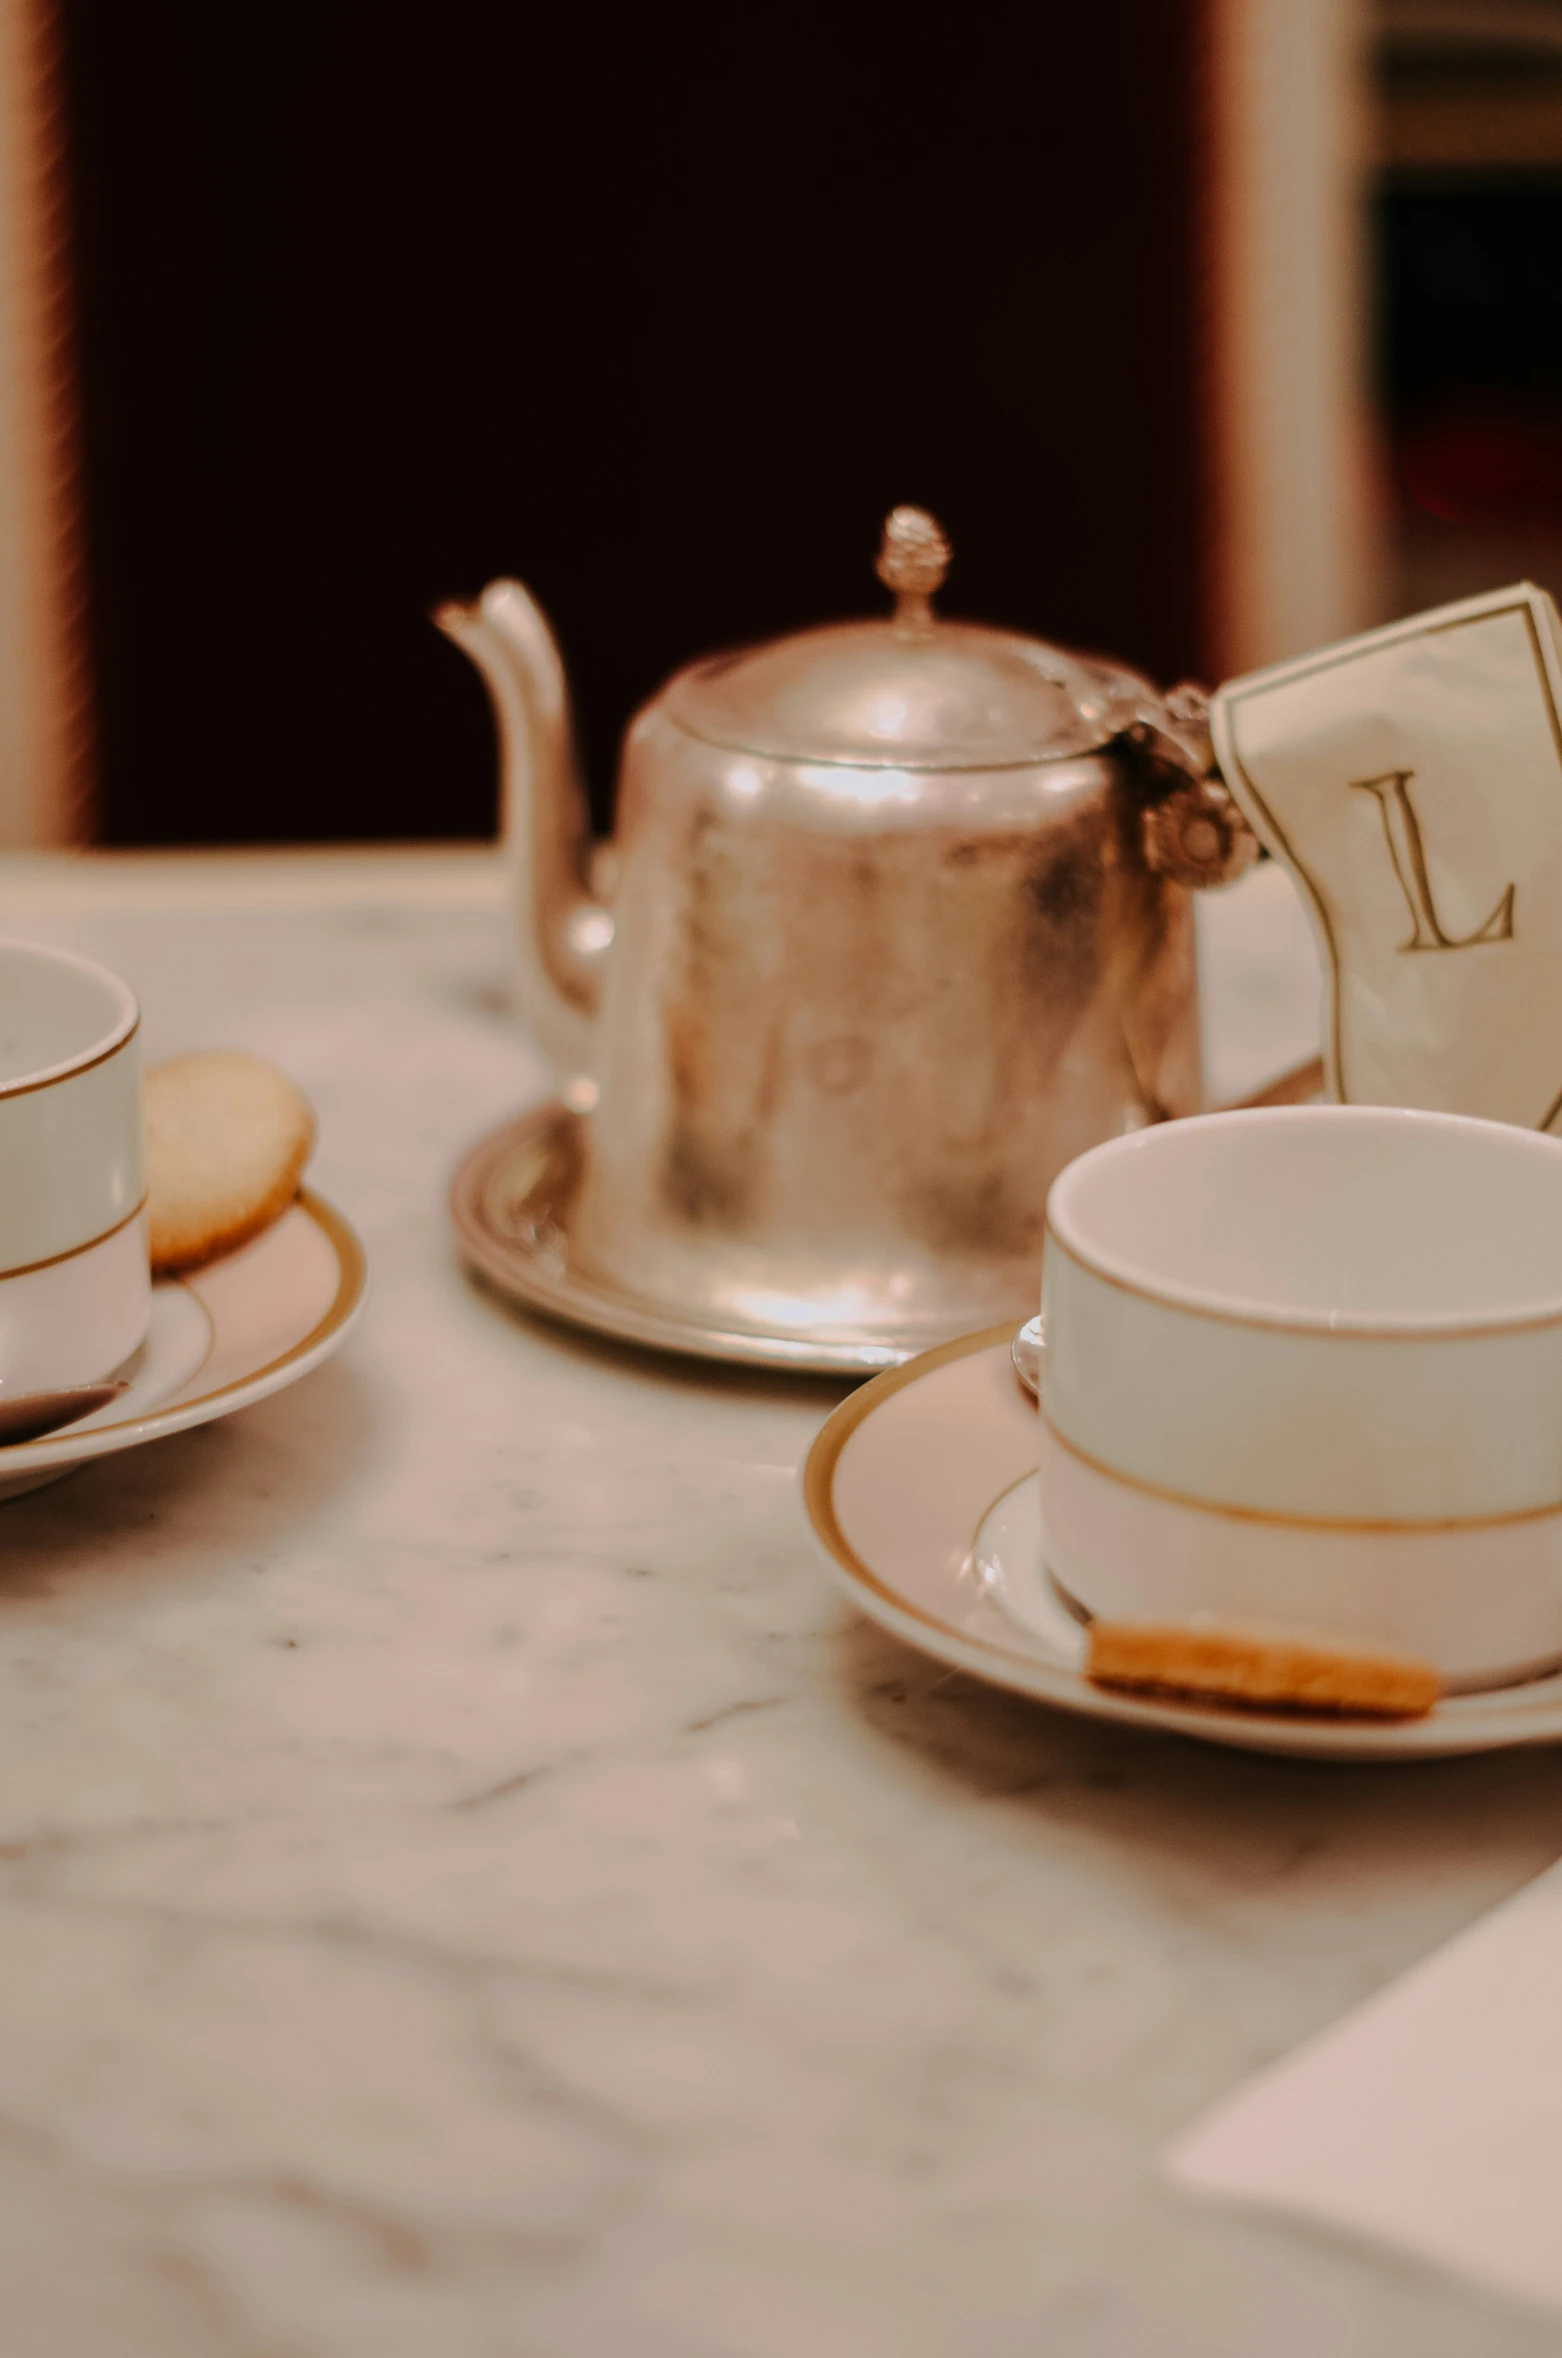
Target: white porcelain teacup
[1304,1367]
[75,1292]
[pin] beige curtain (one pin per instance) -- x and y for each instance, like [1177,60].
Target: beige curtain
[1294,551]
[44,736]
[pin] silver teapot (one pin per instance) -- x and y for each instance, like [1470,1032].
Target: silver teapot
[897,921]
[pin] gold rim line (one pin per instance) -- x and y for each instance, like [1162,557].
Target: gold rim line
[353,1267]
[1337,662]
[1282,1325]
[70,1072]
[1545,1666]
[1282,1520]
[53,1260]
[824,1455]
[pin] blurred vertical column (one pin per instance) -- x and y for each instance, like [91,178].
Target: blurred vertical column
[44,731]
[1293,552]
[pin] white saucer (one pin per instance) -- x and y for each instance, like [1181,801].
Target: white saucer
[923,1493]
[219,1339]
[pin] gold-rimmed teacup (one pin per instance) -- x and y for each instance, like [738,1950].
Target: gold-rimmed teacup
[1303,1367]
[75,1292]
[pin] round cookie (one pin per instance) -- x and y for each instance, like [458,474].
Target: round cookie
[227,1138]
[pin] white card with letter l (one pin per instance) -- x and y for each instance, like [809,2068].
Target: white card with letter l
[1431,2117]
[1411,781]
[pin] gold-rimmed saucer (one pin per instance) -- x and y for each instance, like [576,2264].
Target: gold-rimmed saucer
[220,1339]
[923,1494]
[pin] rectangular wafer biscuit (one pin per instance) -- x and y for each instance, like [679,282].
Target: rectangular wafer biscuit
[1262,1669]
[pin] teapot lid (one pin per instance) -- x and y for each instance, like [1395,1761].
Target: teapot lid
[909,692]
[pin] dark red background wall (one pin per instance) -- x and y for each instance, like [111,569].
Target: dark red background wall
[660,308]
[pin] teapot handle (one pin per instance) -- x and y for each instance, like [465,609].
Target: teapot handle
[1189,828]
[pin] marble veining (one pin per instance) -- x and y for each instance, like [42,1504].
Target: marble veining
[468,1887]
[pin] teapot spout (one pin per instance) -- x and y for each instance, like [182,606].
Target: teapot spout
[565,936]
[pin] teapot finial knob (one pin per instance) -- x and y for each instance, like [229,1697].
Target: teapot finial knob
[913,559]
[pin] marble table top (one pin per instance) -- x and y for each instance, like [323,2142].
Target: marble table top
[469,1889]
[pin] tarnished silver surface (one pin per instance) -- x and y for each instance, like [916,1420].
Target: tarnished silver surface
[909,691]
[564,937]
[515,1203]
[901,924]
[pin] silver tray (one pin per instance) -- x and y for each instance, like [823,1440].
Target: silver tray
[512,1201]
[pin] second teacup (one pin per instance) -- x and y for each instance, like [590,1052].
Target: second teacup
[75,1292]
[1304,1367]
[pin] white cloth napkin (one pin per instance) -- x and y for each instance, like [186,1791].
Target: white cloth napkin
[1432,2116]
[1260,991]
[1411,780]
